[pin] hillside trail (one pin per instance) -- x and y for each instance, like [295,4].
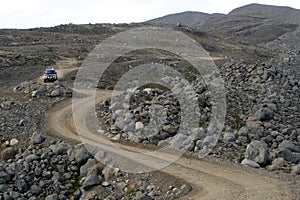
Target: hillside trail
[209,179]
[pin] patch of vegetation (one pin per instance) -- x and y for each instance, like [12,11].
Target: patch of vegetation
[129,192]
[76,186]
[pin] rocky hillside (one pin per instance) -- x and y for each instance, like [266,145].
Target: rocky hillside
[281,13]
[250,24]
[258,48]
[186,18]
[258,129]
[64,171]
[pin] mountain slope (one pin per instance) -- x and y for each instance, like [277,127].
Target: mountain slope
[254,23]
[281,13]
[249,24]
[186,18]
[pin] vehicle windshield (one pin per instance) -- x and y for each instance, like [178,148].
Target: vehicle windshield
[50,71]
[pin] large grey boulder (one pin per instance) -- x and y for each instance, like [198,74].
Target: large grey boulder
[37,138]
[288,145]
[277,164]
[7,153]
[229,137]
[91,181]
[60,148]
[257,151]
[81,155]
[3,188]
[31,158]
[255,129]
[264,114]
[89,164]
[289,151]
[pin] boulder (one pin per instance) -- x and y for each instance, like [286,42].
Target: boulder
[31,158]
[77,194]
[7,153]
[3,188]
[255,129]
[81,155]
[229,137]
[55,93]
[21,185]
[288,145]
[289,151]
[37,138]
[89,164]
[289,156]
[91,181]
[257,151]
[60,148]
[264,114]
[277,164]
[52,197]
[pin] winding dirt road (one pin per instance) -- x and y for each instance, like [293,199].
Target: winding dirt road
[209,180]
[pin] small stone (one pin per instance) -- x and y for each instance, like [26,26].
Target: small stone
[169,129]
[150,187]
[36,190]
[105,184]
[229,137]
[140,196]
[13,142]
[52,197]
[139,125]
[250,163]
[31,158]
[35,93]
[21,185]
[77,194]
[15,195]
[3,188]
[37,171]
[295,170]
[117,137]
[55,93]
[243,132]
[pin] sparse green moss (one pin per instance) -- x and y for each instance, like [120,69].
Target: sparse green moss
[129,192]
